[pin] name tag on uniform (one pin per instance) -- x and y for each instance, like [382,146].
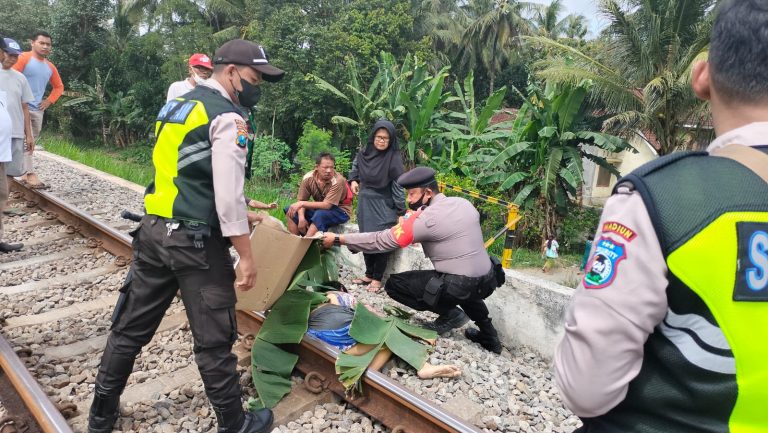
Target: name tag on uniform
[752,266]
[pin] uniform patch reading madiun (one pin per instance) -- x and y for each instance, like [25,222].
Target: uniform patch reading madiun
[603,265]
[619,229]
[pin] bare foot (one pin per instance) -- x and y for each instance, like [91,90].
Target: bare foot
[429,371]
[374,286]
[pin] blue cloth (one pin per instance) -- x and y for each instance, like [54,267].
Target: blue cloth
[323,219]
[339,338]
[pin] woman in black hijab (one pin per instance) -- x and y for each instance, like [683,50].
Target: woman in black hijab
[381,200]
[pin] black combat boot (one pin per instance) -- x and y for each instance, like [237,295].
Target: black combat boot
[486,336]
[234,420]
[104,411]
[452,319]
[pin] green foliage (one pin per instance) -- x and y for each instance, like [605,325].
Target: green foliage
[78,30]
[642,69]
[19,18]
[271,158]
[390,332]
[541,162]
[577,225]
[313,142]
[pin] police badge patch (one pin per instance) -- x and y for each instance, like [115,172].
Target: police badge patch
[604,263]
[242,134]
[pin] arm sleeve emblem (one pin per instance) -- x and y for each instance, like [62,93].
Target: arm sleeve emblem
[403,231]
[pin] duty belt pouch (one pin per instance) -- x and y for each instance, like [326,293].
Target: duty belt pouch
[432,291]
[498,271]
[197,232]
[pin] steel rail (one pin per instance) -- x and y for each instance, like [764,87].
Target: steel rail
[110,239]
[381,397]
[46,414]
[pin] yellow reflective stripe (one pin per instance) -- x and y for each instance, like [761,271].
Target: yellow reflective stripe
[707,264]
[165,157]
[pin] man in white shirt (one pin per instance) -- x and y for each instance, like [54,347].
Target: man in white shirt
[5,155]
[200,69]
[18,95]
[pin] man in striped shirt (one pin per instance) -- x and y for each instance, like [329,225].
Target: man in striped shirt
[39,71]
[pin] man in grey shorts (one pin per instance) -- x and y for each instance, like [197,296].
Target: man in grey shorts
[18,95]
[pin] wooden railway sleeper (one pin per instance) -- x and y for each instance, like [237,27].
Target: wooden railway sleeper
[315,382]
[93,243]
[13,424]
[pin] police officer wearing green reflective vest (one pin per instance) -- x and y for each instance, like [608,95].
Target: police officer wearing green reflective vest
[448,229]
[668,331]
[195,210]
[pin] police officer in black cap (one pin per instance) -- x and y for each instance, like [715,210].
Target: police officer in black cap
[448,229]
[195,210]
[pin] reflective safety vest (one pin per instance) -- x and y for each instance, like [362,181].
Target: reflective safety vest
[183,183]
[705,367]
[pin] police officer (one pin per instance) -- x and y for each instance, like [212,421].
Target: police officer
[668,330]
[448,229]
[195,209]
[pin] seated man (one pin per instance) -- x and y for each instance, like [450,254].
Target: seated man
[331,195]
[331,323]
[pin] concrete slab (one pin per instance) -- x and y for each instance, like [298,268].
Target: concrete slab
[38,260]
[97,343]
[63,279]
[61,313]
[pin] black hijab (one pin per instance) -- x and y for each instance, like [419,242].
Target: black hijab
[377,168]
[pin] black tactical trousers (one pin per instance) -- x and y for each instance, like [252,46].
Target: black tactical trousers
[164,264]
[407,288]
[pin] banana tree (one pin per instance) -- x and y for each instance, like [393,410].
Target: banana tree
[467,129]
[541,162]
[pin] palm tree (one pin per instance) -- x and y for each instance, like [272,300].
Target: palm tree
[477,33]
[547,21]
[642,77]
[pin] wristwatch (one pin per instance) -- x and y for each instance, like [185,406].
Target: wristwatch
[337,240]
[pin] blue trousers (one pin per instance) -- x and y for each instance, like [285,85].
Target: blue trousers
[323,219]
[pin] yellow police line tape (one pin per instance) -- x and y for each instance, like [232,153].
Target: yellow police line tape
[513,218]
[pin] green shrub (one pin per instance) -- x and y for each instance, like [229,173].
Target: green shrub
[580,222]
[314,141]
[270,158]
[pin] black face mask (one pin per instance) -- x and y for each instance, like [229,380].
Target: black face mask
[250,94]
[418,204]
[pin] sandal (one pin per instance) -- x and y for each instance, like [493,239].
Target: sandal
[361,282]
[375,288]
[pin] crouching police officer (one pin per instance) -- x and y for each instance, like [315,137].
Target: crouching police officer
[448,229]
[195,208]
[668,330]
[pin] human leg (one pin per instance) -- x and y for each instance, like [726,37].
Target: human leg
[485,334]
[209,299]
[36,118]
[378,266]
[4,246]
[146,294]
[407,288]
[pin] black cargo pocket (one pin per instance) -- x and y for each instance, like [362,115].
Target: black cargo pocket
[182,252]
[460,289]
[217,325]
[432,291]
[122,298]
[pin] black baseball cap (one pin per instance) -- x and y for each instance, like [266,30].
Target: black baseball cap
[247,53]
[418,177]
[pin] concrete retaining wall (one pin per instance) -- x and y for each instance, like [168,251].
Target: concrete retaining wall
[526,310]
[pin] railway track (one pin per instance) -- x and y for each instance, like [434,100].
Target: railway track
[59,292]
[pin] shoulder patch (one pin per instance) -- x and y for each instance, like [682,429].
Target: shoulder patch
[242,134]
[620,229]
[403,231]
[176,111]
[604,263]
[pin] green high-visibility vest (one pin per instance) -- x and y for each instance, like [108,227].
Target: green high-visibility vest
[183,184]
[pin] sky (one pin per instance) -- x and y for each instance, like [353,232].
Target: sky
[588,8]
